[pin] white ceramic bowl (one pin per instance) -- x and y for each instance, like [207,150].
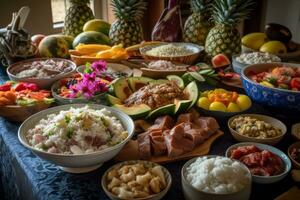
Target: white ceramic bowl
[191,193]
[266,179]
[274,122]
[157,196]
[111,67]
[41,82]
[76,163]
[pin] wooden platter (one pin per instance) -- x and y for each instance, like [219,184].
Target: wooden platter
[18,113]
[131,152]
[79,59]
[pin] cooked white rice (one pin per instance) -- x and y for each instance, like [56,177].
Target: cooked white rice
[217,175]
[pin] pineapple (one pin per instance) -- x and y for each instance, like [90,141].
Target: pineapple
[77,15]
[198,24]
[127,29]
[224,37]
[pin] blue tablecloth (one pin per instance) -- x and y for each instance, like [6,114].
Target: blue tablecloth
[26,176]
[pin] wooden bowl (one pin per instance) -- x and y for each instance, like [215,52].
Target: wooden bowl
[186,59]
[274,122]
[18,113]
[285,57]
[80,59]
[295,163]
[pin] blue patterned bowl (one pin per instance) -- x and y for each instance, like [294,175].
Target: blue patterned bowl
[273,97]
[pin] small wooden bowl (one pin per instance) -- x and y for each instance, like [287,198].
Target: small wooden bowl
[186,59]
[18,113]
[157,196]
[274,122]
[295,163]
[80,59]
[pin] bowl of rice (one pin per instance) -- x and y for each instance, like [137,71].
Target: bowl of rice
[77,137]
[215,177]
[180,52]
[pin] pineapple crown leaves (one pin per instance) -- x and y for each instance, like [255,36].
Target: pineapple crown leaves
[201,6]
[231,12]
[129,9]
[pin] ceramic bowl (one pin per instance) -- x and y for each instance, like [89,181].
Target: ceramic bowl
[191,193]
[296,131]
[76,163]
[112,68]
[186,59]
[272,97]
[274,122]
[41,82]
[99,98]
[158,196]
[237,66]
[295,163]
[265,179]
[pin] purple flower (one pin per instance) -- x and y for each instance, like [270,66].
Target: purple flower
[99,66]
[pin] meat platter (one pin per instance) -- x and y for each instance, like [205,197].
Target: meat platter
[169,139]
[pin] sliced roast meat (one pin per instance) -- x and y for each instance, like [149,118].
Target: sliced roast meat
[158,142]
[197,135]
[164,123]
[176,143]
[209,124]
[144,145]
[187,117]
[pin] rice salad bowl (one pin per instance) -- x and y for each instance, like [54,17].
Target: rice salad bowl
[77,137]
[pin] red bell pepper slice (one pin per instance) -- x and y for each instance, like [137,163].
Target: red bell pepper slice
[5,87]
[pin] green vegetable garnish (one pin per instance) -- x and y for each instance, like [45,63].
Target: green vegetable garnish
[67,119]
[70,132]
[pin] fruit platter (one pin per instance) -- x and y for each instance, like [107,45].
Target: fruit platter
[140,100]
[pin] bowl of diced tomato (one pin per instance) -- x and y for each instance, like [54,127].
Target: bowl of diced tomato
[276,85]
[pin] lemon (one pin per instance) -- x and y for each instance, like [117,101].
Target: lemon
[233,107]
[243,101]
[220,90]
[217,106]
[203,102]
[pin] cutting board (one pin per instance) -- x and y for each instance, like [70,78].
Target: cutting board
[131,152]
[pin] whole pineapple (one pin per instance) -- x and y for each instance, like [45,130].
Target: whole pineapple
[198,24]
[224,37]
[127,29]
[77,15]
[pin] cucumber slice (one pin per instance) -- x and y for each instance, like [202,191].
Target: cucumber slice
[164,110]
[177,80]
[206,71]
[197,76]
[192,91]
